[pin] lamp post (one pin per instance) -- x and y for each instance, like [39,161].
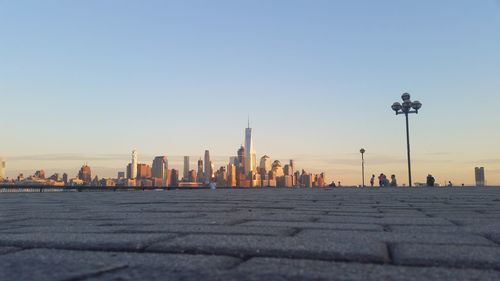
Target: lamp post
[362,150]
[406,108]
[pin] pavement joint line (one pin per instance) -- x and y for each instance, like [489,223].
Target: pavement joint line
[97,273]
[247,257]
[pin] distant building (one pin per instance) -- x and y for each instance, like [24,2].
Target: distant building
[121,175]
[250,165]
[40,174]
[231,175]
[208,167]
[65,178]
[85,174]
[143,171]
[480,179]
[277,169]
[192,176]
[240,166]
[2,168]
[200,177]
[129,171]
[160,169]
[174,178]
[133,169]
[265,165]
[186,169]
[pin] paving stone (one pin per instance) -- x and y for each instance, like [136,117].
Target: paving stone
[368,227]
[290,247]
[324,270]
[83,241]
[450,255]
[212,229]
[406,220]
[397,237]
[7,250]
[38,264]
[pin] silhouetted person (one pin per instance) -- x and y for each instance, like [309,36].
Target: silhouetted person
[430,180]
[381,180]
[450,184]
[394,182]
[372,180]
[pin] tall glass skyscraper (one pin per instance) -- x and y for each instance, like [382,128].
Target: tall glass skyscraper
[160,168]
[208,166]
[249,152]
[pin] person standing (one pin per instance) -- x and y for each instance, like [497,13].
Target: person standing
[372,181]
[394,182]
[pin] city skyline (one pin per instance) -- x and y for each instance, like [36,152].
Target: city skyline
[177,78]
[160,165]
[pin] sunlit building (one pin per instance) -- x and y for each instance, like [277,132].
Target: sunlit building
[160,169]
[2,168]
[265,165]
[85,174]
[133,167]
[143,171]
[250,159]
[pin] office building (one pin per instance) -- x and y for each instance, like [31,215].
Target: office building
[480,179]
[249,152]
[85,174]
[143,171]
[208,167]
[265,165]
[200,177]
[159,169]
[185,175]
[133,169]
[2,168]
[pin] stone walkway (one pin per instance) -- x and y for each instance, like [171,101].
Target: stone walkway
[268,234]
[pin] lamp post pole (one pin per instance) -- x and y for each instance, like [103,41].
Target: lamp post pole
[408,149]
[406,108]
[362,150]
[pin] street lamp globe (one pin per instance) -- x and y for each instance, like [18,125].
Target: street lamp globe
[405,97]
[396,106]
[407,105]
[362,150]
[416,105]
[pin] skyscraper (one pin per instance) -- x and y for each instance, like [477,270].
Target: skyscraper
[2,168]
[133,168]
[160,169]
[208,166]
[85,174]
[186,168]
[265,164]
[143,171]
[480,179]
[249,152]
[199,175]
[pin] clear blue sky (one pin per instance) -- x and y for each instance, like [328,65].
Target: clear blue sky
[85,81]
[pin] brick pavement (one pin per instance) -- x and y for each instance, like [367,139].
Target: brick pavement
[264,234]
